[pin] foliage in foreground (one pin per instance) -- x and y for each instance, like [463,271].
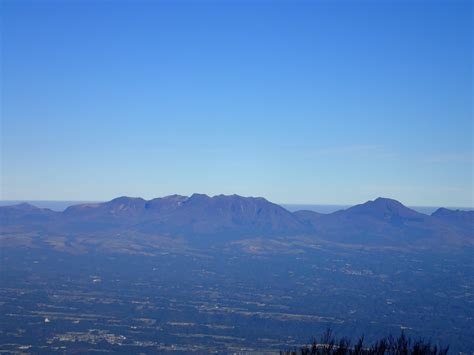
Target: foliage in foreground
[328,344]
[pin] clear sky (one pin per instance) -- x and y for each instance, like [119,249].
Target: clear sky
[297,101]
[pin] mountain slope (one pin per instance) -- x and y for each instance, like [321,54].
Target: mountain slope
[228,216]
[461,220]
[25,216]
[380,222]
[198,215]
[200,218]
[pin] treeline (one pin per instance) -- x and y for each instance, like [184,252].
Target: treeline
[328,344]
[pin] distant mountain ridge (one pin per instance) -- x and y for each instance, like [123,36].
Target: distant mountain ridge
[198,214]
[382,221]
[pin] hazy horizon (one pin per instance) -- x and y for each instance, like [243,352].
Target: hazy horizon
[61,205]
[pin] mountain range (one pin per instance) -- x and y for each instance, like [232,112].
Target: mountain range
[203,219]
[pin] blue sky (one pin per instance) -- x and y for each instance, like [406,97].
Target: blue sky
[297,101]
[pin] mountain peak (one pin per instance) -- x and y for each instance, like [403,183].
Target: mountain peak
[386,200]
[165,204]
[125,203]
[198,196]
[441,211]
[390,203]
[383,206]
[462,219]
[448,212]
[126,199]
[445,213]
[24,207]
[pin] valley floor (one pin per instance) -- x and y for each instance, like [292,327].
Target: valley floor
[229,301]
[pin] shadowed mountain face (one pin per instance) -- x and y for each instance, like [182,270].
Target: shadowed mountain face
[463,220]
[383,209]
[124,210]
[387,222]
[226,216]
[382,222]
[25,216]
[176,215]
[374,222]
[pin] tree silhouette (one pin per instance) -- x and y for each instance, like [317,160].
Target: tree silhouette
[328,344]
